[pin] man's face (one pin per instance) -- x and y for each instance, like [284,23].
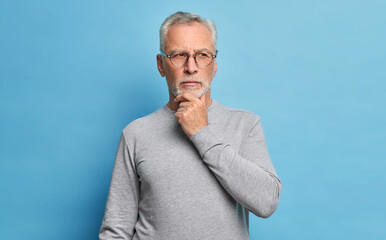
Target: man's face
[189,37]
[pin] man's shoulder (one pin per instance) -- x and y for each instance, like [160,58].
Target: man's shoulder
[238,114]
[144,124]
[233,124]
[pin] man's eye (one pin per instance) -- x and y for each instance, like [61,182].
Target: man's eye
[203,54]
[179,55]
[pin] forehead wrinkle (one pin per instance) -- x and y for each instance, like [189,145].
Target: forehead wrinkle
[184,42]
[194,51]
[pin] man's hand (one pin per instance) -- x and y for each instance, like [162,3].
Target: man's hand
[191,113]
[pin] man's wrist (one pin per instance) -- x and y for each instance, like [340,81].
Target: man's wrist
[205,139]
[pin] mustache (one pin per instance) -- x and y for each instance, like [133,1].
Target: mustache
[190,78]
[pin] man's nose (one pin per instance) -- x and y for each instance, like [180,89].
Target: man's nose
[191,66]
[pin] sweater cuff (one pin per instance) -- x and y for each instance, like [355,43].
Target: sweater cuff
[205,139]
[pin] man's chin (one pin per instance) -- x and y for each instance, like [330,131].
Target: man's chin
[198,93]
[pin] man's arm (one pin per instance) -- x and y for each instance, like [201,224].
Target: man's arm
[249,177]
[121,212]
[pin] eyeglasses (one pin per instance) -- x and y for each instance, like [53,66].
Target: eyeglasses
[180,58]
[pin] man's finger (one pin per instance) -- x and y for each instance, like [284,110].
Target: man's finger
[185,104]
[186,97]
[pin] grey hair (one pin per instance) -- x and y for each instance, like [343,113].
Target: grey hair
[185,17]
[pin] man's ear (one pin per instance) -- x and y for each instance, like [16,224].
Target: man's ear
[160,65]
[215,68]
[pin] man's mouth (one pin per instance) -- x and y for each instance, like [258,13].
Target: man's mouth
[190,83]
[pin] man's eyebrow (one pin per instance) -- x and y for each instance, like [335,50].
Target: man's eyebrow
[195,50]
[179,50]
[202,49]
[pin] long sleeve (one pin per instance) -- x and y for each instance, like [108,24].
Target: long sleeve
[248,175]
[121,212]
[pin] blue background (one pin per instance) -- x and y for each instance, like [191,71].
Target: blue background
[75,73]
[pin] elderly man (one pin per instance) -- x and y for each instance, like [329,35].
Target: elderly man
[194,168]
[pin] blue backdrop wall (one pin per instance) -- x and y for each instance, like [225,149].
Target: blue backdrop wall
[75,73]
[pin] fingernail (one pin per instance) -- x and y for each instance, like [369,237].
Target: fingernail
[175,99]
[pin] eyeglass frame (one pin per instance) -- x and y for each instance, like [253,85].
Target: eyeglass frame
[189,55]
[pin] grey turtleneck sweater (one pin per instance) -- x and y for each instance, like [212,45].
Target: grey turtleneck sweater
[166,185]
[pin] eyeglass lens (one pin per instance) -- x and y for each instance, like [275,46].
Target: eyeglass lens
[202,58]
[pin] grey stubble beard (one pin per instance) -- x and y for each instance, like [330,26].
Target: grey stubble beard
[205,86]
